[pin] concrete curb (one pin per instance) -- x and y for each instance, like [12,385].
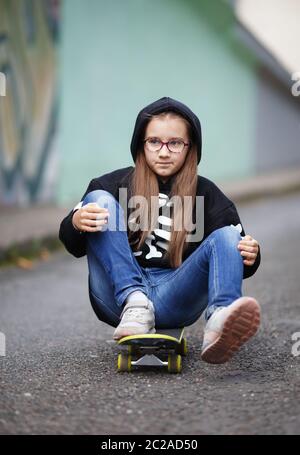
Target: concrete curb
[30,229]
[264,185]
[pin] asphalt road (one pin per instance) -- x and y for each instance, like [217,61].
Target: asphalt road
[59,374]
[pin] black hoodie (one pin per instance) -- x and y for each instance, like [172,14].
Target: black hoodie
[219,211]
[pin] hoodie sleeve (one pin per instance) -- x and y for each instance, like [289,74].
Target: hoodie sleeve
[224,213]
[74,240]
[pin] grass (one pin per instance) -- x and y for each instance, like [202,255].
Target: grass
[24,254]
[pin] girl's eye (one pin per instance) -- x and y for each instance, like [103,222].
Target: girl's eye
[153,141]
[176,144]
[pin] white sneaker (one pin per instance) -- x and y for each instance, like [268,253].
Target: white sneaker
[228,328]
[136,318]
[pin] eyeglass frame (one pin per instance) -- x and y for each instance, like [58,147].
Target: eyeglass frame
[167,144]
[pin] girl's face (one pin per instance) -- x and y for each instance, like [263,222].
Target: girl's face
[166,163]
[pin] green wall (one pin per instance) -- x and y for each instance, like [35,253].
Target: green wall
[118,56]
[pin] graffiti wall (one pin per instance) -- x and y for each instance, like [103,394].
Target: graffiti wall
[28,101]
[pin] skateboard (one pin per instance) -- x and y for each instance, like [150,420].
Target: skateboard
[163,349]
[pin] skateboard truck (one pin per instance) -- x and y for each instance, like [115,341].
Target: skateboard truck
[162,349]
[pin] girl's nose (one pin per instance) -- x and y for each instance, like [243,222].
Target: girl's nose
[164,150]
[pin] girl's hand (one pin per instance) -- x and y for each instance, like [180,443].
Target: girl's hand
[90,218]
[249,249]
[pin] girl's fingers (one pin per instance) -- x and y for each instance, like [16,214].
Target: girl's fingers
[251,249]
[92,229]
[93,223]
[248,242]
[100,216]
[94,207]
[93,216]
[248,255]
[246,262]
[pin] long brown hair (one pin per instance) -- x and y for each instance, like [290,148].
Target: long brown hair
[144,183]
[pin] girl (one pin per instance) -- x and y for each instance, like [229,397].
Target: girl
[146,273]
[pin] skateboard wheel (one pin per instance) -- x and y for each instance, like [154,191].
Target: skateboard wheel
[124,362]
[174,363]
[183,349]
[132,350]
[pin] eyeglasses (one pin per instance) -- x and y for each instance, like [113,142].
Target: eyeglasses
[154,144]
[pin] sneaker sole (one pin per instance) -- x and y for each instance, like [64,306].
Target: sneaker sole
[129,333]
[241,325]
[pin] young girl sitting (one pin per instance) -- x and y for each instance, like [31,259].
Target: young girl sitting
[164,244]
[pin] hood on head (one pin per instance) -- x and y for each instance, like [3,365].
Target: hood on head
[165,104]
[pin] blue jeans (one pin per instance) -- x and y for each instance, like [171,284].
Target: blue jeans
[211,276]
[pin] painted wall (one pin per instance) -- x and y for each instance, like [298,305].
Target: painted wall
[28,111]
[116,57]
[277,132]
